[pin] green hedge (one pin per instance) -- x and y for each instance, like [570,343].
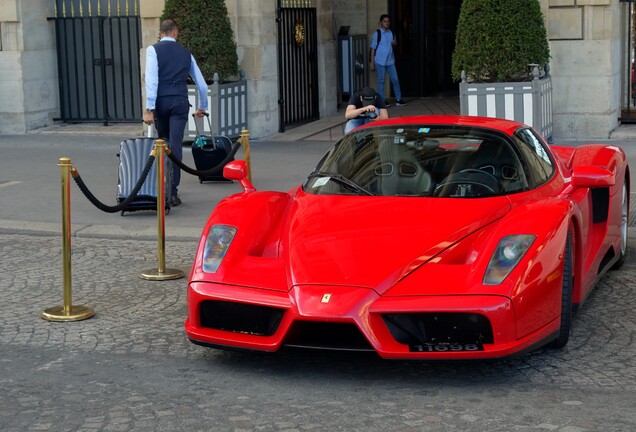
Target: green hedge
[496,40]
[205,29]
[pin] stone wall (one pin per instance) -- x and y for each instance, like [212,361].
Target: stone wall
[585,43]
[28,66]
[327,53]
[352,13]
[255,32]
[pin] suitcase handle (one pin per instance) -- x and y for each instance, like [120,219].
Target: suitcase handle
[196,126]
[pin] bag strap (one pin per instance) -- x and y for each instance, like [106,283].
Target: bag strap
[378,43]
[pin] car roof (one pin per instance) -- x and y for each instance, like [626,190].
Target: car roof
[503,125]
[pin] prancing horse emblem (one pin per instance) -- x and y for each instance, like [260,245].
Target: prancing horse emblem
[325,298]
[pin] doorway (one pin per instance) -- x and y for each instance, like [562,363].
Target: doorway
[297,65]
[425,32]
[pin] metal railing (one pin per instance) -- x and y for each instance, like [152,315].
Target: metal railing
[92,8]
[227,103]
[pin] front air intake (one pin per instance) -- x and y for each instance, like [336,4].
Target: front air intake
[335,336]
[439,328]
[240,317]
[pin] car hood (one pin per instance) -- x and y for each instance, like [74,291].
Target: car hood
[374,241]
[285,240]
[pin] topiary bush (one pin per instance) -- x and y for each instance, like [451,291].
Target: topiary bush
[496,40]
[205,29]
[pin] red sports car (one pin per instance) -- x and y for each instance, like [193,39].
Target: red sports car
[418,238]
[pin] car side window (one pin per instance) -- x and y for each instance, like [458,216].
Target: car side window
[539,166]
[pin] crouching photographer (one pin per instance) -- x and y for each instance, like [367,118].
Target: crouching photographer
[364,106]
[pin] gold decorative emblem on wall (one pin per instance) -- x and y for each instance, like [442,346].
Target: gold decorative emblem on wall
[300,33]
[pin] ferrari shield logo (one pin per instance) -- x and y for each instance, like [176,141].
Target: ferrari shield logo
[325,298]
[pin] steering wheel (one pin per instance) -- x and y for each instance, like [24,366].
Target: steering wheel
[470,183]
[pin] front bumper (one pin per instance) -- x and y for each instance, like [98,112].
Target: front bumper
[350,318]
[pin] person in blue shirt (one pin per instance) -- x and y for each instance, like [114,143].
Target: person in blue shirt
[364,107]
[168,65]
[381,58]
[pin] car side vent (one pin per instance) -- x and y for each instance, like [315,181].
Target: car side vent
[337,336]
[600,204]
[240,317]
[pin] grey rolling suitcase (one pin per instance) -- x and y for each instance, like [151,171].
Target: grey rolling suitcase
[133,155]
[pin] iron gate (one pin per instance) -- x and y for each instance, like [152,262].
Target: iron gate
[297,64]
[98,60]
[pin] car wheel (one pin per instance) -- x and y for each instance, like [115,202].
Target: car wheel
[566,296]
[624,225]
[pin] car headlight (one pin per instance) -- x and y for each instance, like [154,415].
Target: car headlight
[216,245]
[507,255]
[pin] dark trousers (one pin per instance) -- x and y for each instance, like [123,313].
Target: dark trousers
[171,116]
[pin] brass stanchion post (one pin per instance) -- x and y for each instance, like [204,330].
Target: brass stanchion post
[245,142]
[66,312]
[161,272]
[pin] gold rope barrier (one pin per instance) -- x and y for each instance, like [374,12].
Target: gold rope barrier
[161,272]
[245,142]
[66,312]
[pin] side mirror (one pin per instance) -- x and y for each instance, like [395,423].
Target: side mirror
[592,177]
[237,170]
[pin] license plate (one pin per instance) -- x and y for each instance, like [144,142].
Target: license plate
[443,347]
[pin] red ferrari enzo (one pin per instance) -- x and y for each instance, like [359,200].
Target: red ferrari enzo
[418,238]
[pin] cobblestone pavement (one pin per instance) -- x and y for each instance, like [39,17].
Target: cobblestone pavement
[131,368]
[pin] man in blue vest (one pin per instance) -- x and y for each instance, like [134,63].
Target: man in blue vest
[168,65]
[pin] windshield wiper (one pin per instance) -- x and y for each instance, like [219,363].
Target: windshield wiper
[339,178]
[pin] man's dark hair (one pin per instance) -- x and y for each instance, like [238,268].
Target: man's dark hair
[168,26]
[384,16]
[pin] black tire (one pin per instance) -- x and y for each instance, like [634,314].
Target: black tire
[624,226]
[566,296]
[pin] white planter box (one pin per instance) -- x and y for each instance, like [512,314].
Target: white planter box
[527,102]
[227,105]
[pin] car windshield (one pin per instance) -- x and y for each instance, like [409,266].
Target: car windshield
[420,160]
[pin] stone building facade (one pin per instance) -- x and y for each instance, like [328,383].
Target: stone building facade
[587,42]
